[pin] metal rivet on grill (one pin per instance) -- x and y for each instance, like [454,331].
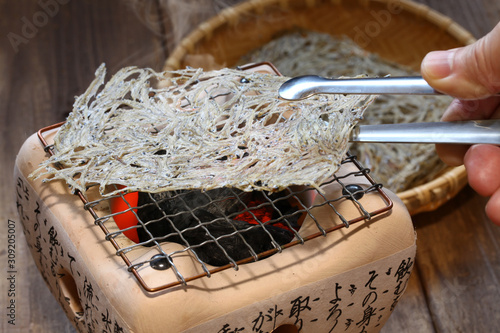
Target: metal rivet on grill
[352,189]
[159,262]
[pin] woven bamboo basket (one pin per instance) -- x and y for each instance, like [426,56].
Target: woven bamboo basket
[398,30]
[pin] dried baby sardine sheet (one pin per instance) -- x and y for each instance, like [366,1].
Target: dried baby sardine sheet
[397,166]
[190,129]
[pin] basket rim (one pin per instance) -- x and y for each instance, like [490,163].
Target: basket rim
[229,16]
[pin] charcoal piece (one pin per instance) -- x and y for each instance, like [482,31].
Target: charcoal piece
[194,217]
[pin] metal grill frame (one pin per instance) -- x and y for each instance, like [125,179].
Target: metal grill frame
[133,267]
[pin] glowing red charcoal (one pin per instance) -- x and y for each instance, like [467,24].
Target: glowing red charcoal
[262,214]
[184,211]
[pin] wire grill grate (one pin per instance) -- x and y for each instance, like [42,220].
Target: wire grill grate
[223,228]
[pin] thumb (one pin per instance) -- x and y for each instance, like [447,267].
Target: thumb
[470,72]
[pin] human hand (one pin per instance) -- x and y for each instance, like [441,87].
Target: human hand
[471,74]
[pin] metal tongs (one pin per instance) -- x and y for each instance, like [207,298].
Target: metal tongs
[461,132]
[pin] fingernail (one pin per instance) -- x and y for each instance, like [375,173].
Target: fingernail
[438,64]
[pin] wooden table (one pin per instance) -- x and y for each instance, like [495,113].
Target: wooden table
[454,286]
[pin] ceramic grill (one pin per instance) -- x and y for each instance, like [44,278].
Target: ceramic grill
[220,260]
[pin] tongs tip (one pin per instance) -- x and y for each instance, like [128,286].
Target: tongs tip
[299,87]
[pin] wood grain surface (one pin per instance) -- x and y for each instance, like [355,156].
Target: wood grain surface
[60,43]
